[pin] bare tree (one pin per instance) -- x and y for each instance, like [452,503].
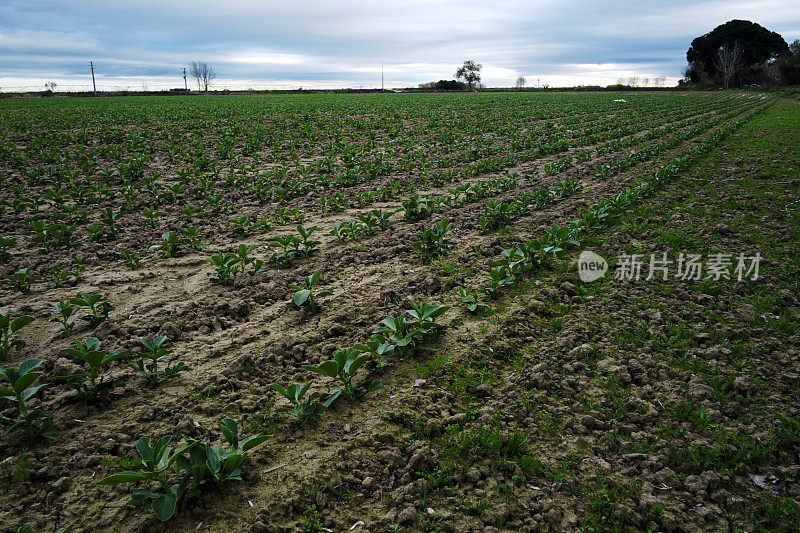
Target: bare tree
[50,86]
[204,74]
[470,72]
[520,83]
[729,62]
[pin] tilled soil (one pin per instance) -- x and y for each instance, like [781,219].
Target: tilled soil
[641,405]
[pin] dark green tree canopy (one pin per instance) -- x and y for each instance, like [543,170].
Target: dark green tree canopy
[758,43]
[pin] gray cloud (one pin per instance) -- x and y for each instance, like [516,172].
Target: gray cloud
[334,44]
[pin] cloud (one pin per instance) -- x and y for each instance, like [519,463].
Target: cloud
[256,43]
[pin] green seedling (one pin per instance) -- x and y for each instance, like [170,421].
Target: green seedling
[286,247]
[496,214]
[9,326]
[156,466]
[93,384]
[149,358]
[395,331]
[151,217]
[67,311]
[307,245]
[343,367]
[305,296]
[370,222]
[379,350]
[243,255]
[417,208]
[22,279]
[109,221]
[191,237]
[78,269]
[431,243]
[226,267]
[383,218]
[344,230]
[181,474]
[169,245]
[16,388]
[305,409]
[99,309]
[497,278]
[424,318]
[473,302]
[58,274]
[6,244]
[130,259]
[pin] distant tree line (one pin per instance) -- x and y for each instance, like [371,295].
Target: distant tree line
[740,53]
[470,72]
[443,85]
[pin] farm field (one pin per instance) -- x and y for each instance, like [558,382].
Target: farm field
[460,375]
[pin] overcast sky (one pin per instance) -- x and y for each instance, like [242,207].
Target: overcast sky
[330,44]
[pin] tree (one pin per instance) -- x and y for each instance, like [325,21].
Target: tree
[470,72]
[50,86]
[758,45]
[729,62]
[204,74]
[520,83]
[789,64]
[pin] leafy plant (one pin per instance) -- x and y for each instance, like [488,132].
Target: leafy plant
[182,473]
[396,331]
[379,350]
[37,423]
[8,327]
[432,243]
[496,214]
[99,309]
[22,279]
[67,311]
[417,207]
[243,256]
[149,358]
[286,246]
[6,244]
[498,278]
[383,218]
[151,216]
[109,221]
[226,267]
[369,221]
[311,406]
[343,367]
[169,245]
[307,244]
[58,274]
[424,318]
[344,230]
[305,296]
[130,259]
[192,237]
[89,352]
[471,300]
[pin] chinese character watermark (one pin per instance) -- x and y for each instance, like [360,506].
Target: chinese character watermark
[660,267]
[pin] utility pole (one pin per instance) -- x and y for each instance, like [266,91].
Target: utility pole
[185,86]
[94,86]
[381,78]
